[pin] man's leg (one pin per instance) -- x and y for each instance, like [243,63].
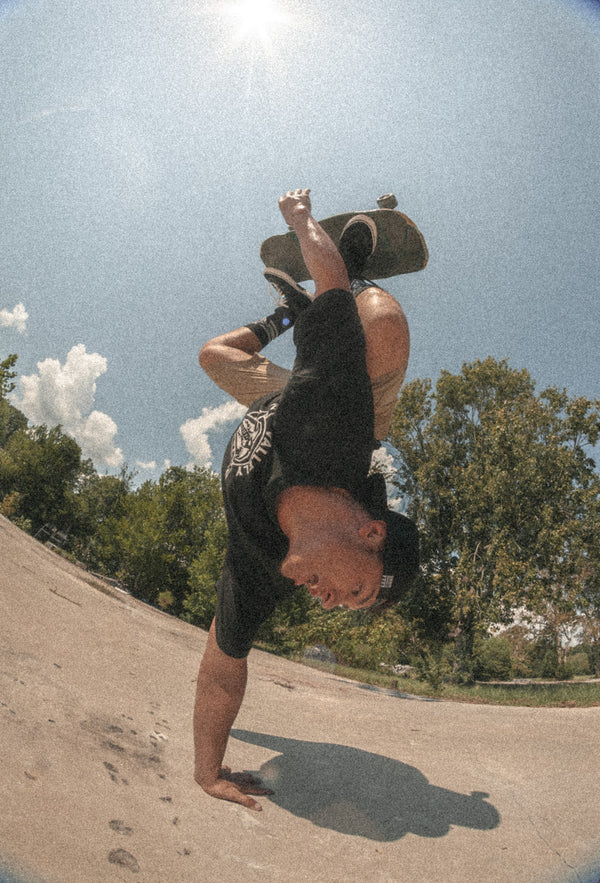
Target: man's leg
[388,346]
[383,321]
[232,360]
[234,363]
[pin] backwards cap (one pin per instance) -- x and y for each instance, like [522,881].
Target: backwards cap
[401,549]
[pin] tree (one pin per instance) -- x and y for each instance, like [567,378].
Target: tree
[201,598]
[98,499]
[40,468]
[11,419]
[160,530]
[7,375]
[507,500]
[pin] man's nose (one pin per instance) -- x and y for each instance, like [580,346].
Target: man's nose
[289,567]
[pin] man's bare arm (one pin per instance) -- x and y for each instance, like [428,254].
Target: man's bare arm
[322,259]
[219,694]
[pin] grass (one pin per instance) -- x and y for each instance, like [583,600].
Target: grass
[540,694]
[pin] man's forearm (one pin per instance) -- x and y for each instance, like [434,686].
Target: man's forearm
[219,694]
[322,259]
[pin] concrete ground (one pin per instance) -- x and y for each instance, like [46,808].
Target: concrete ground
[96,694]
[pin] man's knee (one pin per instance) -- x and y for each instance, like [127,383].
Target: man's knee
[376,303]
[386,331]
[230,347]
[209,354]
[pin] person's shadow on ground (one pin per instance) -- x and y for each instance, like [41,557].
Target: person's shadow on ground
[359,793]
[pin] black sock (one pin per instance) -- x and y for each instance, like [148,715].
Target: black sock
[272,326]
[358,285]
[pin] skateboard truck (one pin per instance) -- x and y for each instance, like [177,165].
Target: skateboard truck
[388,200]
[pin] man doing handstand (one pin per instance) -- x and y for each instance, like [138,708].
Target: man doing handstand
[301,504]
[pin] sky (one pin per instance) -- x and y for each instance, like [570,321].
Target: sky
[144,145]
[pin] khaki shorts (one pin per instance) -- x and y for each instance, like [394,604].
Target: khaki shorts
[252,378]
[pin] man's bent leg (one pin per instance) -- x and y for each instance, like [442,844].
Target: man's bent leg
[388,347]
[233,362]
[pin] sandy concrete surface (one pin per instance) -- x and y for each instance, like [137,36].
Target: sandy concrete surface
[96,694]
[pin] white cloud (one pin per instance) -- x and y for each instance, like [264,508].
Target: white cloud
[15,319]
[64,394]
[195,431]
[95,434]
[152,465]
[146,466]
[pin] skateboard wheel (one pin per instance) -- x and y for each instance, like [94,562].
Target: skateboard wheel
[388,200]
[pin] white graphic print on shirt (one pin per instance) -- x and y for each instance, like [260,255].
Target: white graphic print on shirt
[250,443]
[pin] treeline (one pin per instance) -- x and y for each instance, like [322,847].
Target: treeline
[498,478]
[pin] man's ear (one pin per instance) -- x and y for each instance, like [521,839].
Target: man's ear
[374,532]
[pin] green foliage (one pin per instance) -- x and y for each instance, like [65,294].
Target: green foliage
[156,532]
[506,498]
[543,659]
[7,375]
[287,628]
[165,600]
[39,469]
[100,501]
[493,659]
[353,637]
[11,420]
[434,666]
[579,664]
[200,601]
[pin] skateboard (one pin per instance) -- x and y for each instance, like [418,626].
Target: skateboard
[400,245]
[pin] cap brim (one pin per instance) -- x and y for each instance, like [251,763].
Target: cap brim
[400,556]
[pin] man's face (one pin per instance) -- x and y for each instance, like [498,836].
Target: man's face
[341,571]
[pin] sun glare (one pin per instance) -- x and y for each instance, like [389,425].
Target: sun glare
[255,20]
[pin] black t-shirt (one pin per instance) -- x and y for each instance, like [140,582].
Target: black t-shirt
[317,432]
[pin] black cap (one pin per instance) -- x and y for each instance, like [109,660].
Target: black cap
[400,556]
[401,549]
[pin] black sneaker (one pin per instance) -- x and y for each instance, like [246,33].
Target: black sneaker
[357,244]
[295,297]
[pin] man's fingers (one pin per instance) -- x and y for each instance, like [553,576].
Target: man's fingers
[249,802]
[225,790]
[299,193]
[237,795]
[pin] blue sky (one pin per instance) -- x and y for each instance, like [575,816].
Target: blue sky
[144,145]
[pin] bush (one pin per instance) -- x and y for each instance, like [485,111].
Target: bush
[493,660]
[580,663]
[165,600]
[435,666]
[543,660]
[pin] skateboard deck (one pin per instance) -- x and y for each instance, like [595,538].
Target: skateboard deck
[400,246]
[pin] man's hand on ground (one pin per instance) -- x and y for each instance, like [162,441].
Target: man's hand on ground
[237,787]
[295,205]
